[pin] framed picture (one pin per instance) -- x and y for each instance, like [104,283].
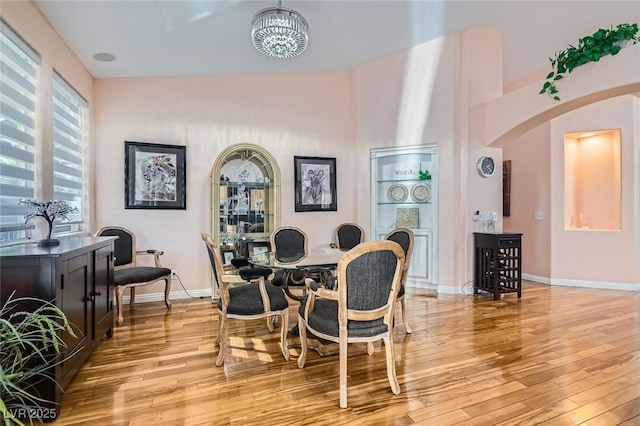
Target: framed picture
[227,255]
[506,188]
[155,176]
[257,248]
[315,188]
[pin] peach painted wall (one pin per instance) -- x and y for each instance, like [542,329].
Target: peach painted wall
[606,256]
[635,201]
[421,96]
[438,92]
[530,156]
[518,111]
[408,99]
[312,117]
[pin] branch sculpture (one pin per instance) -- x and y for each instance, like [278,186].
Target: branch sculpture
[50,211]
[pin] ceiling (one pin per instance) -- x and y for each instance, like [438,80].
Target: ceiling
[208,37]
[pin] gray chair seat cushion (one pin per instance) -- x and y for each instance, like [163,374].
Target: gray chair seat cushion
[246,299]
[324,318]
[139,274]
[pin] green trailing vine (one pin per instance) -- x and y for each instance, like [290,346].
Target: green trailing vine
[590,49]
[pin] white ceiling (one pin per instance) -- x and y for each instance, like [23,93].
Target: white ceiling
[207,37]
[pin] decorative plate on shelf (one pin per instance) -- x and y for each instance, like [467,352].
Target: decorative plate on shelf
[397,193]
[421,192]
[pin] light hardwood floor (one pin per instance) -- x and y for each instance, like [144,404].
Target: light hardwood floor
[558,356]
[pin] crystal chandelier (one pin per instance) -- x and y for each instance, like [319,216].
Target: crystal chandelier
[279,32]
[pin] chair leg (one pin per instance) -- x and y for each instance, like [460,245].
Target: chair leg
[405,321]
[270,324]
[132,299]
[343,370]
[370,348]
[119,318]
[284,330]
[222,336]
[167,290]
[391,364]
[302,330]
[217,342]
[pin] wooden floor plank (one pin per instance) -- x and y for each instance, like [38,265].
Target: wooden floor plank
[558,356]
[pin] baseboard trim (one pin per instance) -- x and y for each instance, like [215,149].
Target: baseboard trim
[605,285]
[203,293]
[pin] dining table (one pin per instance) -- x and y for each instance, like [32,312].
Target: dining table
[318,264]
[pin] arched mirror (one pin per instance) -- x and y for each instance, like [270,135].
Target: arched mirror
[245,185]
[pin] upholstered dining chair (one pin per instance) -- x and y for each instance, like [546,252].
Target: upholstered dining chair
[347,236]
[127,274]
[255,299]
[360,310]
[404,237]
[288,245]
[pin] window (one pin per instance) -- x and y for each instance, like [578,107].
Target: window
[69,163]
[18,73]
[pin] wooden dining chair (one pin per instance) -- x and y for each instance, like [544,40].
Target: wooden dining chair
[290,245]
[127,274]
[404,237]
[347,236]
[255,299]
[360,310]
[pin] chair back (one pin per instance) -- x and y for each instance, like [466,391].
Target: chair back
[369,277]
[289,244]
[124,245]
[215,259]
[404,237]
[349,235]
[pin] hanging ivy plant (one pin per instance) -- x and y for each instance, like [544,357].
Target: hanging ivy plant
[590,49]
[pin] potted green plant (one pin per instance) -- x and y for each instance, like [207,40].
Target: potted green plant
[590,49]
[30,345]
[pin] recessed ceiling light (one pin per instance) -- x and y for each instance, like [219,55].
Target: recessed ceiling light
[104,57]
[586,135]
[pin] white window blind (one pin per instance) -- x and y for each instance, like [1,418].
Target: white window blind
[18,142]
[69,165]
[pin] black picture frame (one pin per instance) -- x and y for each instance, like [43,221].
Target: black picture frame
[155,176]
[506,188]
[315,184]
[227,255]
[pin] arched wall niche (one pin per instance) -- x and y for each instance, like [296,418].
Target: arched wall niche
[245,194]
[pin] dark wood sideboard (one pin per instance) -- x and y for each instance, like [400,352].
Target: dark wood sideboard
[77,275]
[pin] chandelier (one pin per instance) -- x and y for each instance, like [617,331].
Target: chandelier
[279,32]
